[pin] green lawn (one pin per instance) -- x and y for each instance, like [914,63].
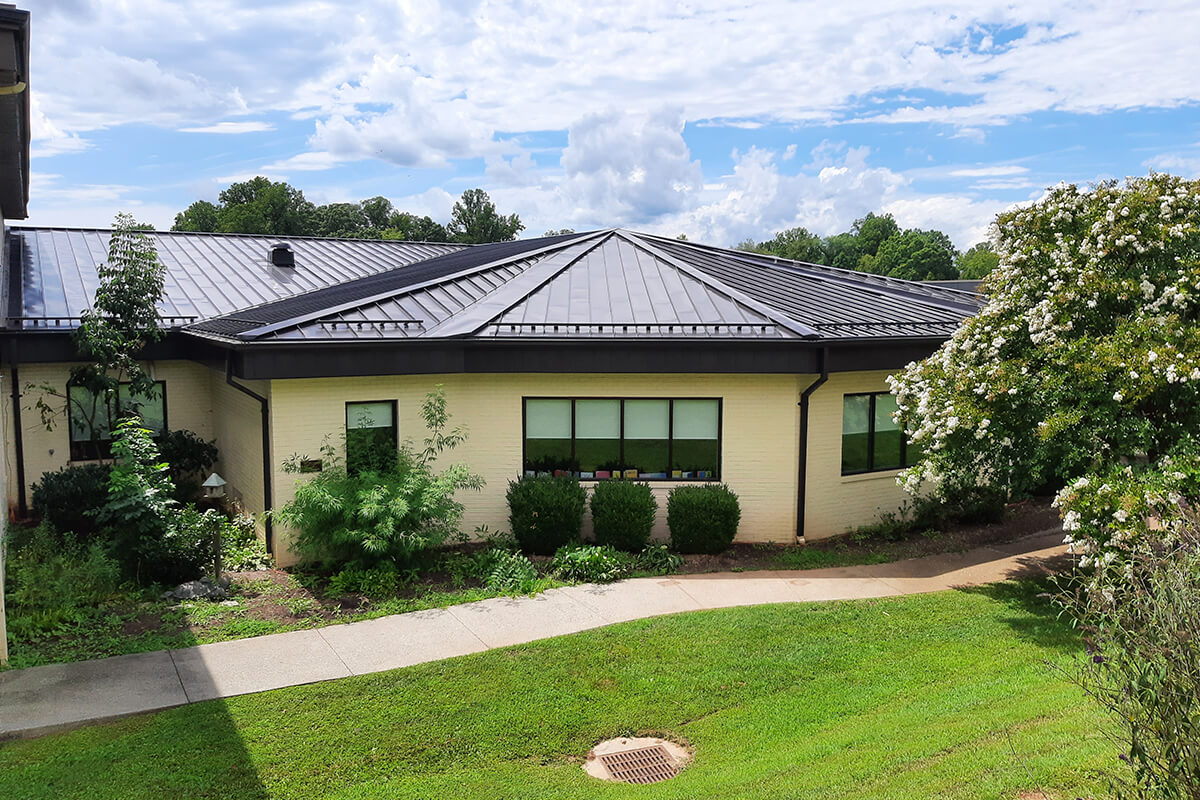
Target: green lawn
[942,695]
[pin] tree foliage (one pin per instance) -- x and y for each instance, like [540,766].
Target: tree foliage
[111,335]
[978,262]
[474,220]
[1083,368]
[875,243]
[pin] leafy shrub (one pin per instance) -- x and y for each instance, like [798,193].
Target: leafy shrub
[545,512]
[370,517]
[623,514]
[184,551]
[241,548]
[702,519]
[590,563]
[926,515]
[189,458]
[69,498]
[379,580]
[54,580]
[1140,617]
[465,567]
[658,559]
[511,572]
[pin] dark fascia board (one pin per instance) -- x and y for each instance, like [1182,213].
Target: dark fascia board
[15,129]
[422,357]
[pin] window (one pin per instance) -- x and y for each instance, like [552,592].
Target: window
[871,439]
[91,420]
[598,438]
[371,442]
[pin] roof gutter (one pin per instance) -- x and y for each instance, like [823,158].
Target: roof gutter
[268,529]
[802,482]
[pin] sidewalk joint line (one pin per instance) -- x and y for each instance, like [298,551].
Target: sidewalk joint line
[342,661]
[187,698]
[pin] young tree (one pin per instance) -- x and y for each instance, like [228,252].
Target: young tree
[474,220]
[1083,368]
[123,319]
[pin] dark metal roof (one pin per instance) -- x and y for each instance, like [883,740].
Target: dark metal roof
[208,275]
[606,285]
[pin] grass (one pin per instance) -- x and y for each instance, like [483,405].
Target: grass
[944,695]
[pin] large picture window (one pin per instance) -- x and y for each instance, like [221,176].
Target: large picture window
[597,438]
[91,419]
[872,440]
[371,443]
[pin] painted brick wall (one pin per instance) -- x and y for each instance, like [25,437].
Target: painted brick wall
[760,432]
[237,425]
[835,504]
[188,406]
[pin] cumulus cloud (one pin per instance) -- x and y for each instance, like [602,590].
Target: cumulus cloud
[624,167]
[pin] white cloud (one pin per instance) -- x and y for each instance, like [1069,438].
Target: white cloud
[231,127]
[994,170]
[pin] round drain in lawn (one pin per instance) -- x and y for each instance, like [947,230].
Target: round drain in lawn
[636,760]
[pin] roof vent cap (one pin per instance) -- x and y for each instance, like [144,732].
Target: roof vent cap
[282,255]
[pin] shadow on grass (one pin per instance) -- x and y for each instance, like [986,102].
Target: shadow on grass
[1030,591]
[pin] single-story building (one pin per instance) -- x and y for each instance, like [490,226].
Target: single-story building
[606,354]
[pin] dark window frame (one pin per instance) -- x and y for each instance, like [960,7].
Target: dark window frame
[395,423]
[81,451]
[720,401]
[904,462]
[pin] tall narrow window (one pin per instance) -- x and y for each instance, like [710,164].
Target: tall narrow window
[871,439]
[695,438]
[91,420]
[371,442]
[598,436]
[548,435]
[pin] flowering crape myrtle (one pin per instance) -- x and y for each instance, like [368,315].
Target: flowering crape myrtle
[1082,371]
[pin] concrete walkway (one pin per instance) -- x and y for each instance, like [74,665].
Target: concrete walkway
[60,696]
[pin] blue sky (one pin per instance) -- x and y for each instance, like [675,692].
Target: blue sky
[721,121]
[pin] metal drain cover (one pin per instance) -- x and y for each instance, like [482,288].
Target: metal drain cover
[632,759]
[643,765]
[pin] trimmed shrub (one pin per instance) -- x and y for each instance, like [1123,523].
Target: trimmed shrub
[184,551]
[702,519]
[69,498]
[623,514]
[545,512]
[590,564]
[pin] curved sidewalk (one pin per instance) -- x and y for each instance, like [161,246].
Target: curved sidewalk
[60,696]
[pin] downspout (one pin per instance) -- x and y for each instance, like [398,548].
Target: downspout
[802,484]
[266,445]
[18,435]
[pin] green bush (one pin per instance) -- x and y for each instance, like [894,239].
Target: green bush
[241,548]
[377,581]
[511,572]
[623,514]
[184,551]
[189,458]
[369,517]
[55,580]
[545,512]
[590,564]
[658,559]
[69,498]
[702,519]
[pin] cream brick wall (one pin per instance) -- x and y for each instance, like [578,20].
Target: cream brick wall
[836,504]
[237,425]
[188,406]
[759,445]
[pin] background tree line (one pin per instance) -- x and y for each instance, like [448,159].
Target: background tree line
[273,208]
[876,244]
